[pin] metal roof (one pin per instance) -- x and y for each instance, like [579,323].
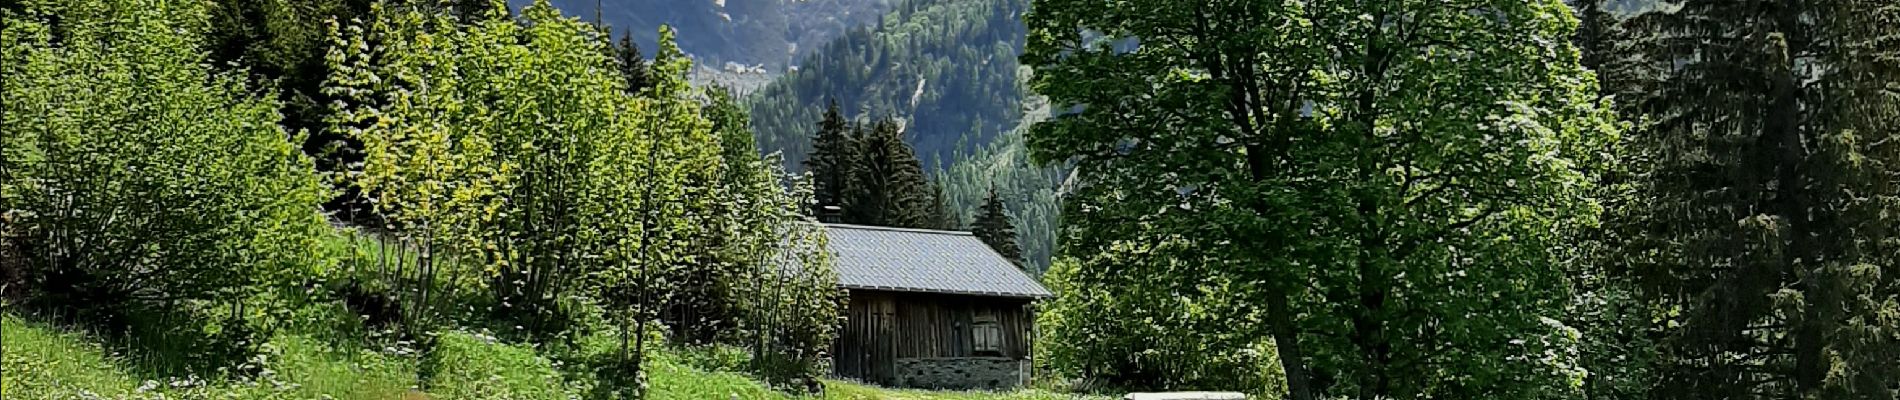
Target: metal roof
[919,260]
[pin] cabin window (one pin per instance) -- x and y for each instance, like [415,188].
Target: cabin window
[986,333]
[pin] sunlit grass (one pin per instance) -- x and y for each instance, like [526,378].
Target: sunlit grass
[42,361]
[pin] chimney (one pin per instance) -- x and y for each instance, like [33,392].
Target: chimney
[830,214]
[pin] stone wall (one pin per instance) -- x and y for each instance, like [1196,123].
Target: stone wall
[962,373]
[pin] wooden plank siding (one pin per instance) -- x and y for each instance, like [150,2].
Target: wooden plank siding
[883,326]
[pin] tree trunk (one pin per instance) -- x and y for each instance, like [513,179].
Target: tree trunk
[1299,383]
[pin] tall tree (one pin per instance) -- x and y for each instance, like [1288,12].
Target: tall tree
[1391,181]
[632,65]
[834,160]
[941,215]
[1766,215]
[890,188]
[994,228]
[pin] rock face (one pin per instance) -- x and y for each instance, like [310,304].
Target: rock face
[962,373]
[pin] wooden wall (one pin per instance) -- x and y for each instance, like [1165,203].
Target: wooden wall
[882,327]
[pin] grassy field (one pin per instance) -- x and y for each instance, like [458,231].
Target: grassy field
[47,362]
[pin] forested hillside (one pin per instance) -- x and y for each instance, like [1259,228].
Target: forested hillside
[768,33]
[1030,193]
[945,68]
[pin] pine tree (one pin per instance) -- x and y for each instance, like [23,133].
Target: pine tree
[1768,197]
[892,189]
[994,228]
[833,161]
[633,65]
[468,11]
[946,216]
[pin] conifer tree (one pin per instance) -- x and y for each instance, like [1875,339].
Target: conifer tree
[834,156]
[632,65]
[467,11]
[945,217]
[892,190]
[1767,202]
[994,228]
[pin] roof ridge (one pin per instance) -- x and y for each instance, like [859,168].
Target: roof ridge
[897,229]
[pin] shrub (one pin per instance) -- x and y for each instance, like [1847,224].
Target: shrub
[136,173]
[1149,333]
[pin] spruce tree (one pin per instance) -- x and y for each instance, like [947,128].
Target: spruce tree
[834,158]
[945,217]
[633,65]
[467,11]
[892,188]
[1766,219]
[994,228]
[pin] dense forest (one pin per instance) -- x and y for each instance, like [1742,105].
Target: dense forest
[1299,200]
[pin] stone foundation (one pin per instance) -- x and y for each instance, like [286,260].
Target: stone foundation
[962,373]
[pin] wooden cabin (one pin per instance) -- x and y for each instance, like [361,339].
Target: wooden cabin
[931,309]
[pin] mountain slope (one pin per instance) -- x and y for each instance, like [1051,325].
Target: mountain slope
[1031,194]
[767,33]
[946,67]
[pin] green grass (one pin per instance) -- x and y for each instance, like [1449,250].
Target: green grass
[466,366]
[41,363]
[48,362]
[45,362]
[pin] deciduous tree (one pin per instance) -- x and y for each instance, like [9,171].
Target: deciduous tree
[1392,183]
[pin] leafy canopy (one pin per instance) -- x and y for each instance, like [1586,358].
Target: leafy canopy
[1392,180]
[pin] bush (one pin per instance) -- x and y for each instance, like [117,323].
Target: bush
[136,173]
[1147,333]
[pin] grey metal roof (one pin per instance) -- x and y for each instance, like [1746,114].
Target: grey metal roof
[918,260]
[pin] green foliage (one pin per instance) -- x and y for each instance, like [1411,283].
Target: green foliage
[798,307]
[1764,190]
[834,160]
[1387,196]
[872,176]
[139,177]
[890,188]
[1095,330]
[543,206]
[1028,191]
[995,229]
[578,190]
[43,362]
